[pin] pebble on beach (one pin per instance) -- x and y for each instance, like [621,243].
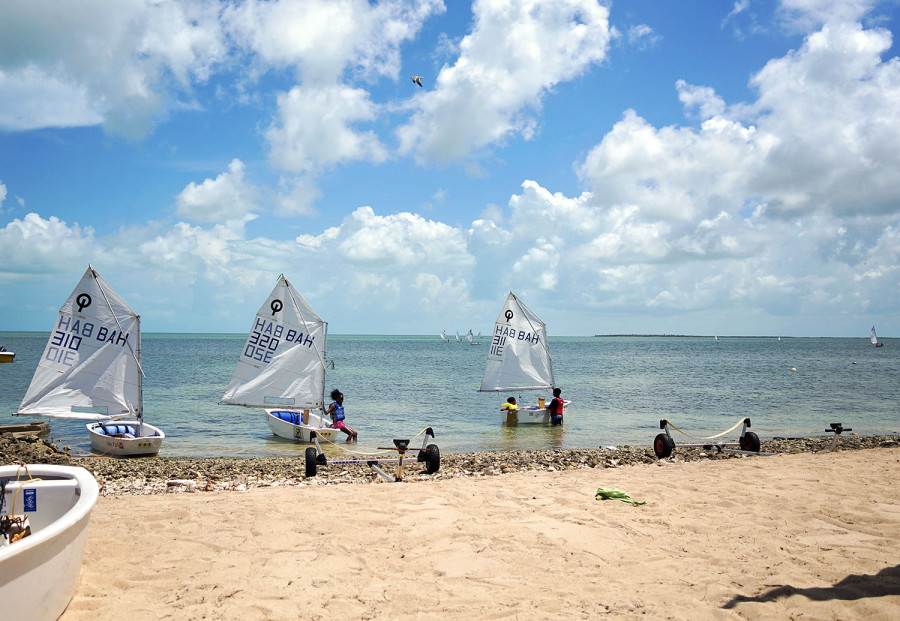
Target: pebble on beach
[161,475]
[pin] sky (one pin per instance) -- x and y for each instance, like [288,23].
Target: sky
[624,167]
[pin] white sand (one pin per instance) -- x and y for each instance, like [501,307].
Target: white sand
[812,536]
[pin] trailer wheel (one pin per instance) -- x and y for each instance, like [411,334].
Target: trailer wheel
[750,442]
[663,445]
[311,461]
[432,458]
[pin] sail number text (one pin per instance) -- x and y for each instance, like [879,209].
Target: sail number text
[68,336]
[267,335]
[502,334]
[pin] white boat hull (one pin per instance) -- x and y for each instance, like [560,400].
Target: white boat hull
[300,425]
[121,439]
[529,415]
[39,573]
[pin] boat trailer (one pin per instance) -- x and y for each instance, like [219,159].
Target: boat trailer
[748,443]
[429,454]
[837,429]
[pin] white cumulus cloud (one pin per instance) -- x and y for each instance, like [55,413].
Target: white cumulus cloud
[227,197]
[102,61]
[316,129]
[516,53]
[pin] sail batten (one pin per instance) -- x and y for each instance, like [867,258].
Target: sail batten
[519,354]
[90,368]
[283,360]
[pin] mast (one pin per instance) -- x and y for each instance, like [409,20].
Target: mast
[140,381]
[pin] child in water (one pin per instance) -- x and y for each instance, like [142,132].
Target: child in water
[336,410]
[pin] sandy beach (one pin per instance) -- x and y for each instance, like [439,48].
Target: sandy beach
[793,535]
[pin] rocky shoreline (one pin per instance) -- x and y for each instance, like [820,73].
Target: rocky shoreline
[160,475]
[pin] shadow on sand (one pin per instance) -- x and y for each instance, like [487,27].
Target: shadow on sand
[854,586]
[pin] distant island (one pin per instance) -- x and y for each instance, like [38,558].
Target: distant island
[692,336]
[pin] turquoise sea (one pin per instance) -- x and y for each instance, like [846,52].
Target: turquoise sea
[620,388]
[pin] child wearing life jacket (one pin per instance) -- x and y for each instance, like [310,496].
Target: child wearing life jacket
[556,408]
[509,405]
[336,410]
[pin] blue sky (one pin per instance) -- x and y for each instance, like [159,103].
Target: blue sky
[632,166]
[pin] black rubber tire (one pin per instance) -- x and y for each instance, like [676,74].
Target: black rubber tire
[750,442]
[311,461]
[663,445]
[432,459]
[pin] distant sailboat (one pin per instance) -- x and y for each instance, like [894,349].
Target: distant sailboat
[458,340]
[444,336]
[874,338]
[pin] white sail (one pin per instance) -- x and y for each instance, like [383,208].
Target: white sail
[90,368]
[283,360]
[872,337]
[443,335]
[469,336]
[519,355]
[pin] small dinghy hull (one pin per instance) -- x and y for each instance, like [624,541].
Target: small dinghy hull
[39,573]
[122,439]
[532,414]
[297,426]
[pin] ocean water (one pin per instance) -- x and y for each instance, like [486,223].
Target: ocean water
[620,388]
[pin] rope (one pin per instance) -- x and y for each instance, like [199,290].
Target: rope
[12,510]
[718,435]
[369,453]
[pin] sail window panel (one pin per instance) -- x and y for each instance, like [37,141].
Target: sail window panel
[90,409]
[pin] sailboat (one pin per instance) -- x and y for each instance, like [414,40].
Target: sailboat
[471,338]
[874,338]
[519,359]
[444,336]
[282,367]
[91,370]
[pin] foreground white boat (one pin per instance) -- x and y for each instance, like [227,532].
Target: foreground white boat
[91,370]
[39,573]
[282,367]
[519,360]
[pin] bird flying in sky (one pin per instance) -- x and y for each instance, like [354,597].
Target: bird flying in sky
[417,79]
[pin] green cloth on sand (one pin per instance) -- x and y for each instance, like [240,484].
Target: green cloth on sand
[611,493]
